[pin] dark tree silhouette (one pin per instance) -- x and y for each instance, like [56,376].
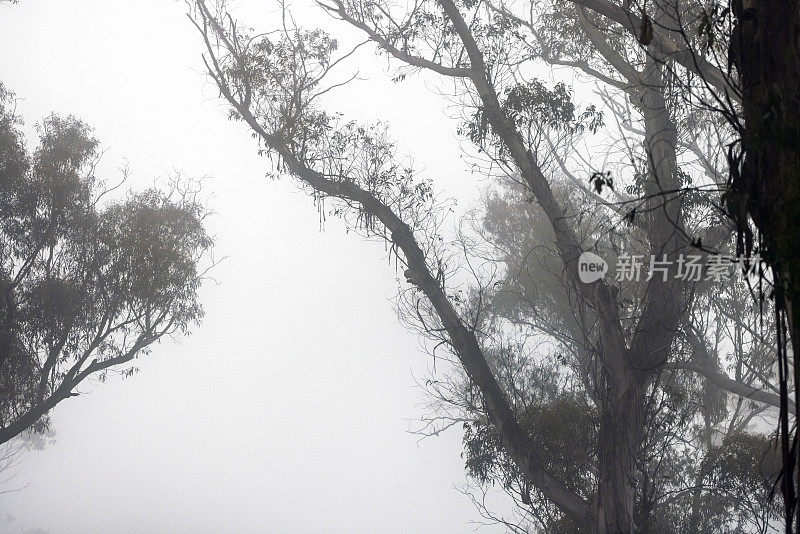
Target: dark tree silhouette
[86,284]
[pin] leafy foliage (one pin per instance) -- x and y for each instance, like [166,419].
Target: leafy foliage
[86,285]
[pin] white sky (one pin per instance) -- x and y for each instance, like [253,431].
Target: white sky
[288,409]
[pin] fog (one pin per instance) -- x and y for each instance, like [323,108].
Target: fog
[556,239]
[288,409]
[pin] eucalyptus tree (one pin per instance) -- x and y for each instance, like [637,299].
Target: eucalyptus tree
[87,283]
[764,194]
[700,417]
[605,405]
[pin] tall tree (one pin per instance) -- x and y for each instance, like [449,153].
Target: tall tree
[764,196]
[636,352]
[86,285]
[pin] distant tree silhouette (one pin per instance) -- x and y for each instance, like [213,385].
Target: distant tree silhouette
[87,283]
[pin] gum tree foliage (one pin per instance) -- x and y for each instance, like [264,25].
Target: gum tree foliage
[693,416]
[87,283]
[633,405]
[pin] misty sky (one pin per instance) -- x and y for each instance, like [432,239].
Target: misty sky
[288,409]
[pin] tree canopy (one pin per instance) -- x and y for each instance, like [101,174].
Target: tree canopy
[89,279]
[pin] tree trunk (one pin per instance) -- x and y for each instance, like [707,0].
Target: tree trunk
[628,371]
[619,440]
[764,48]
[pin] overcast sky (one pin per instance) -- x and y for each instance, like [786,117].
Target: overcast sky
[288,409]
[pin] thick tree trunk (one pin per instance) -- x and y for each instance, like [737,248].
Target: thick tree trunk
[765,47]
[628,371]
[619,440]
[766,51]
